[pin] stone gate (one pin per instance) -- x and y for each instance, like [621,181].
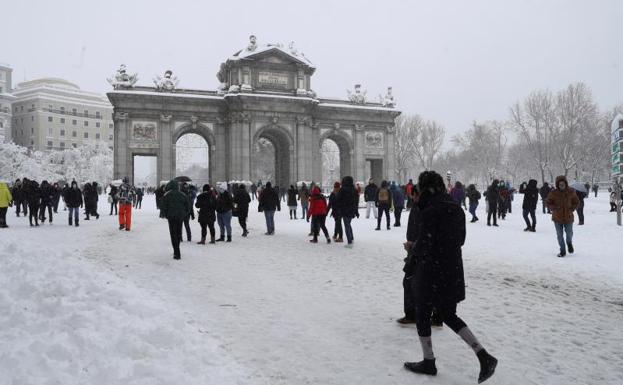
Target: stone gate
[265,92]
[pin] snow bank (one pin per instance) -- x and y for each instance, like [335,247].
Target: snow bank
[64,322]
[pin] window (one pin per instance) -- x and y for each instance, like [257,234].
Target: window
[21,131]
[97,136]
[74,111]
[110,137]
[32,142]
[0,90]
[62,144]
[74,145]
[50,108]
[86,123]
[50,119]
[62,132]
[74,122]
[50,131]
[21,108]
[32,118]
[62,120]
[86,135]
[97,124]
[63,110]
[74,134]
[49,144]
[32,130]
[97,115]
[86,113]
[109,125]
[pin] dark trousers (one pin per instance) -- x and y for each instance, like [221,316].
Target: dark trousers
[472,209]
[42,212]
[337,231]
[56,205]
[175,231]
[447,313]
[113,205]
[397,215]
[532,215]
[383,209]
[23,205]
[580,211]
[409,303]
[204,230]
[318,223]
[493,212]
[242,220]
[34,213]
[187,227]
[3,211]
[348,229]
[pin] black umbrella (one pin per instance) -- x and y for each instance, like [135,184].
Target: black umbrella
[183,179]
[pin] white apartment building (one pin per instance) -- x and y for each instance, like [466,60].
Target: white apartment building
[6,99]
[52,113]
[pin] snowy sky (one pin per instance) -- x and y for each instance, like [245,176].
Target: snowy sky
[453,61]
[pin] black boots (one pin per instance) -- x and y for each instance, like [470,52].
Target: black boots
[570,247]
[245,233]
[202,241]
[221,239]
[228,238]
[487,365]
[423,367]
[212,240]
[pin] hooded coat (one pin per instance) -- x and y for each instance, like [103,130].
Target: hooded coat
[562,203]
[436,258]
[73,196]
[493,193]
[317,203]
[5,195]
[242,200]
[206,203]
[175,204]
[398,197]
[347,201]
[269,199]
[530,195]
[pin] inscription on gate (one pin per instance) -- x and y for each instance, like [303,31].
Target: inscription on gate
[273,79]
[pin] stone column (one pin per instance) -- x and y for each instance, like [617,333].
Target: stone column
[220,169]
[316,155]
[121,139]
[390,159]
[359,166]
[166,162]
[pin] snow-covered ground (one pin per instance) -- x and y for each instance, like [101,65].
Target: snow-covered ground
[95,305]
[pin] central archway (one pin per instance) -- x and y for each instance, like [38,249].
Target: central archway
[282,147]
[335,147]
[205,172]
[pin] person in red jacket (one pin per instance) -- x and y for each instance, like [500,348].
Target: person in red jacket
[318,214]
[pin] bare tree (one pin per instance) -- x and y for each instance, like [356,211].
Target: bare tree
[407,131]
[534,120]
[428,143]
[576,115]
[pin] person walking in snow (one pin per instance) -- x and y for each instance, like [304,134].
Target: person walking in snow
[493,198]
[125,197]
[595,189]
[73,200]
[175,208]
[224,207]
[562,202]
[458,193]
[185,189]
[399,202]
[112,198]
[369,196]
[47,196]
[206,203]
[347,203]
[56,197]
[409,194]
[473,195]
[304,198]
[318,214]
[292,205]
[268,202]
[32,193]
[438,279]
[18,197]
[241,202]
[139,198]
[383,203]
[580,209]
[338,233]
[503,200]
[6,201]
[544,192]
[530,199]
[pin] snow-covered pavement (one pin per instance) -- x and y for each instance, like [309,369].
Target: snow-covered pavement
[96,305]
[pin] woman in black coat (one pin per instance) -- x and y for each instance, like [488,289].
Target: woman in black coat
[206,203]
[438,280]
[347,204]
[242,200]
[530,199]
[292,203]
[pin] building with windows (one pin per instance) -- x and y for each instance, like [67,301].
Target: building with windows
[5,102]
[53,113]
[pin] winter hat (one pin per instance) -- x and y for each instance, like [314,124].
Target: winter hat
[269,185]
[336,185]
[206,187]
[431,182]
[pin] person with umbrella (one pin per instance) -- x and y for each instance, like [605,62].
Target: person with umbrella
[175,207]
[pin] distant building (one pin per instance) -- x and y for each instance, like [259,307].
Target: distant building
[53,113]
[5,102]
